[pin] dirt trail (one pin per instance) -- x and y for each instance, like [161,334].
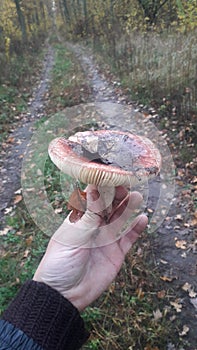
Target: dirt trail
[11,161]
[176,265]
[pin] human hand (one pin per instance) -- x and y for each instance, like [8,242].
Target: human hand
[74,265]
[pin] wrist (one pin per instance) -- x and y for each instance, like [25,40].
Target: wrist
[47,317]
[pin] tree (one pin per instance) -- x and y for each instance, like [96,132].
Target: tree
[21,20]
[151,9]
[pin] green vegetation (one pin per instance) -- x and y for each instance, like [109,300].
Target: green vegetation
[21,249]
[130,316]
[70,89]
[150,47]
[16,89]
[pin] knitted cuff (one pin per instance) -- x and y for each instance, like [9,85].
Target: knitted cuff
[47,317]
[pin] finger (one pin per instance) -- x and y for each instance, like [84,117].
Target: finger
[133,233]
[121,193]
[128,204]
[114,229]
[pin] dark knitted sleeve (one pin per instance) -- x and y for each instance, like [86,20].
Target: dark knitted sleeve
[47,317]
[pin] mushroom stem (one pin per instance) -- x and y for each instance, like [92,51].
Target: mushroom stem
[107,194]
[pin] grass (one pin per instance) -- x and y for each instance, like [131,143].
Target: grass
[70,90]
[16,84]
[159,70]
[125,317]
[155,66]
[20,252]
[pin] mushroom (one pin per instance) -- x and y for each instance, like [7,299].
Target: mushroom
[107,159]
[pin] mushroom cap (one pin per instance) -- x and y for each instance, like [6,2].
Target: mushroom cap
[106,157]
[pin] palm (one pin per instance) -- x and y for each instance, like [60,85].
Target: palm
[82,273]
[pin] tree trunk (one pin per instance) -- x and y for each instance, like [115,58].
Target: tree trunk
[85,16]
[21,20]
[66,12]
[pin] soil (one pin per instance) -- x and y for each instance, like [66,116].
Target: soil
[174,243]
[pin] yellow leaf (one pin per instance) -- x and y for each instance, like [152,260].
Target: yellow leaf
[181,244]
[166,278]
[18,198]
[140,293]
[29,240]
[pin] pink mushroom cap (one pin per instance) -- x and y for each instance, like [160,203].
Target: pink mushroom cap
[106,157]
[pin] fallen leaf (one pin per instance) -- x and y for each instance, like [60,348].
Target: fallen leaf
[192,293]
[186,287]
[161,294]
[140,293]
[39,172]
[179,217]
[77,203]
[26,253]
[112,288]
[177,306]
[10,139]
[77,200]
[167,278]
[194,180]
[157,315]
[149,347]
[58,210]
[181,244]
[5,231]
[18,233]
[180,183]
[184,331]
[8,210]
[18,191]
[194,302]
[18,198]
[29,240]
[194,222]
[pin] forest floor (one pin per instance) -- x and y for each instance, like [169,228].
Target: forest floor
[173,248]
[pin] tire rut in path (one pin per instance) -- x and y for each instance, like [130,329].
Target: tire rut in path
[177,265]
[11,162]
